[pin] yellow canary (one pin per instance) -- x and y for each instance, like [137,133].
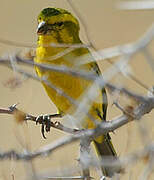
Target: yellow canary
[58,26]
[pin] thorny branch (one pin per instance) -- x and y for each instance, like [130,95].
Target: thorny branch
[146,106]
[20,116]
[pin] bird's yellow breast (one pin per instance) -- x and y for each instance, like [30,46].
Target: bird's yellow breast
[74,87]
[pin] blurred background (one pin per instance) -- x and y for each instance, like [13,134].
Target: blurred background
[107,27]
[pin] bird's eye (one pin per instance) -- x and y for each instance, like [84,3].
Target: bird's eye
[60,23]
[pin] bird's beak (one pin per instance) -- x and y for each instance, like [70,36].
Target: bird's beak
[41,28]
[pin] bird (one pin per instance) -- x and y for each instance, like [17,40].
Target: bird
[57,27]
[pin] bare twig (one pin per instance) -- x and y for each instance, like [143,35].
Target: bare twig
[84,157]
[16,44]
[136,5]
[28,117]
[102,128]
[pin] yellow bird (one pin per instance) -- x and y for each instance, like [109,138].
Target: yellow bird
[58,26]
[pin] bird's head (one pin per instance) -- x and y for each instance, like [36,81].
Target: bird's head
[52,20]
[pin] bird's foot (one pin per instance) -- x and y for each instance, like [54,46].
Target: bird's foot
[45,121]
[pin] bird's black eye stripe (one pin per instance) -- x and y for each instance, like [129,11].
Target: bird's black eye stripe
[59,23]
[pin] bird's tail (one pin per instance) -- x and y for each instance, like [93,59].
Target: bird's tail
[106,149]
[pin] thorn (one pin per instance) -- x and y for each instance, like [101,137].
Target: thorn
[13,107]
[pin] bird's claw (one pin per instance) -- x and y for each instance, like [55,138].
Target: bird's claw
[44,120]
